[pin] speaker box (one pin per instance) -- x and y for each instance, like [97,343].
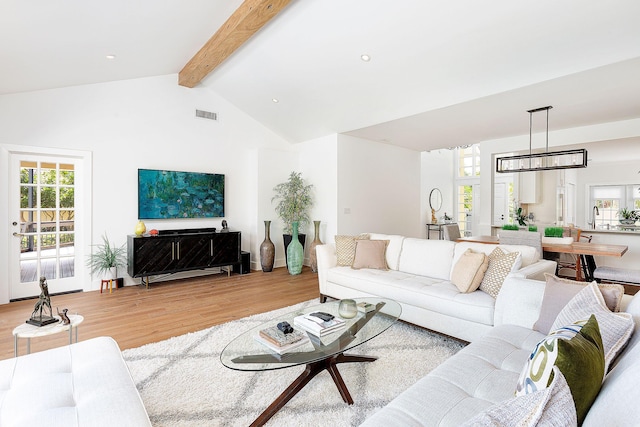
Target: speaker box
[245,263]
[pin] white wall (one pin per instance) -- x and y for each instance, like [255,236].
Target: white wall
[319,161]
[316,159]
[378,188]
[149,123]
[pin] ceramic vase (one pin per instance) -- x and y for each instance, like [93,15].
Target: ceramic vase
[295,252]
[312,249]
[267,249]
[140,228]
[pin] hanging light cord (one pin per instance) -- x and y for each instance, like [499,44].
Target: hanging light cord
[547,147]
[535,110]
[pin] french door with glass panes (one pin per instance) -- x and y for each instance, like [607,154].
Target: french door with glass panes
[43,215]
[467,197]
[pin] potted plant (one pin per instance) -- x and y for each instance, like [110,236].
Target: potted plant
[105,259]
[294,201]
[627,216]
[521,217]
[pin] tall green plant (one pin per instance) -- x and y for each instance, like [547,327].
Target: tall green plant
[294,201]
[106,256]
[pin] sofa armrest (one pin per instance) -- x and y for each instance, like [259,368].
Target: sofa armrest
[536,270]
[519,302]
[326,256]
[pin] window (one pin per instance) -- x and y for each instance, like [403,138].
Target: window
[467,187]
[469,161]
[47,224]
[610,199]
[465,209]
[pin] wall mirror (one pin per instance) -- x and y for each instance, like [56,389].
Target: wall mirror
[435,199]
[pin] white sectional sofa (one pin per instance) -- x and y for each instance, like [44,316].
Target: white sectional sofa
[418,277]
[83,384]
[483,376]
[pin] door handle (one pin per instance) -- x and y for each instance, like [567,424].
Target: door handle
[18,234]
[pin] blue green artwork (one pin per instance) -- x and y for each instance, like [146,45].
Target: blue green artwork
[170,194]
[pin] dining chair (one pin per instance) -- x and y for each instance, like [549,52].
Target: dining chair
[451,232]
[568,264]
[521,237]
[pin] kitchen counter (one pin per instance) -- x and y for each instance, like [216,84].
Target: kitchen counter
[626,230]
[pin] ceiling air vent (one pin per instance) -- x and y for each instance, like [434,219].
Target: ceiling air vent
[207,115]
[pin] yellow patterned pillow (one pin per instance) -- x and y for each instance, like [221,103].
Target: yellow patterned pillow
[346,248]
[500,264]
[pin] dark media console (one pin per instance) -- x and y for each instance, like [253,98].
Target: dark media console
[173,251]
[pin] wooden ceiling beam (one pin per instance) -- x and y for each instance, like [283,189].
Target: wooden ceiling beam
[250,17]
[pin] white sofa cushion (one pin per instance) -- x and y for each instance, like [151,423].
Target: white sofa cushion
[480,375]
[440,296]
[430,258]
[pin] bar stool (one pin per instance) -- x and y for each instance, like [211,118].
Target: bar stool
[108,283]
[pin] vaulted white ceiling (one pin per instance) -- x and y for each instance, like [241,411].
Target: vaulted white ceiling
[441,73]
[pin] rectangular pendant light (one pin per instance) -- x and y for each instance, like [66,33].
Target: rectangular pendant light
[567,159]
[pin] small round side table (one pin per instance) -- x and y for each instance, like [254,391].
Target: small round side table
[31,331]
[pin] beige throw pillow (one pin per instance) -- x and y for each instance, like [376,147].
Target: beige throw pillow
[558,292]
[469,271]
[615,328]
[500,265]
[346,248]
[370,254]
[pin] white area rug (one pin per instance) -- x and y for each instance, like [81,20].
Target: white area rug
[183,383]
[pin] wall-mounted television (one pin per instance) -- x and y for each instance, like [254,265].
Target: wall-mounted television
[169,194]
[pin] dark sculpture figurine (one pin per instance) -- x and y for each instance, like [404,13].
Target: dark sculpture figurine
[225,228]
[42,313]
[63,316]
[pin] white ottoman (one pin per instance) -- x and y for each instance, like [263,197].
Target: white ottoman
[83,384]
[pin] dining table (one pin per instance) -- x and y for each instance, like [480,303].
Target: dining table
[585,252]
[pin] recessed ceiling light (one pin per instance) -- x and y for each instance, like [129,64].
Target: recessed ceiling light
[275,100]
[365,57]
[111,57]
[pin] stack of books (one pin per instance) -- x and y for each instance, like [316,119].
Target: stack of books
[278,341]
[365,307]
[319,329]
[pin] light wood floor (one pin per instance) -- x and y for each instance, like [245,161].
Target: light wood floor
[134,316]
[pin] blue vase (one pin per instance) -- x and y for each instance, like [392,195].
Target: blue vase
[295,252]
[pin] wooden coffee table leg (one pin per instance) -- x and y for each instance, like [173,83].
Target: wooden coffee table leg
[303,379]
[311,371]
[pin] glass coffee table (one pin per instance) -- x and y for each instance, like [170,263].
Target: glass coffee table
[246,353]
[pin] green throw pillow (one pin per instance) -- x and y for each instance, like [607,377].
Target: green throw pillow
[577,351]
